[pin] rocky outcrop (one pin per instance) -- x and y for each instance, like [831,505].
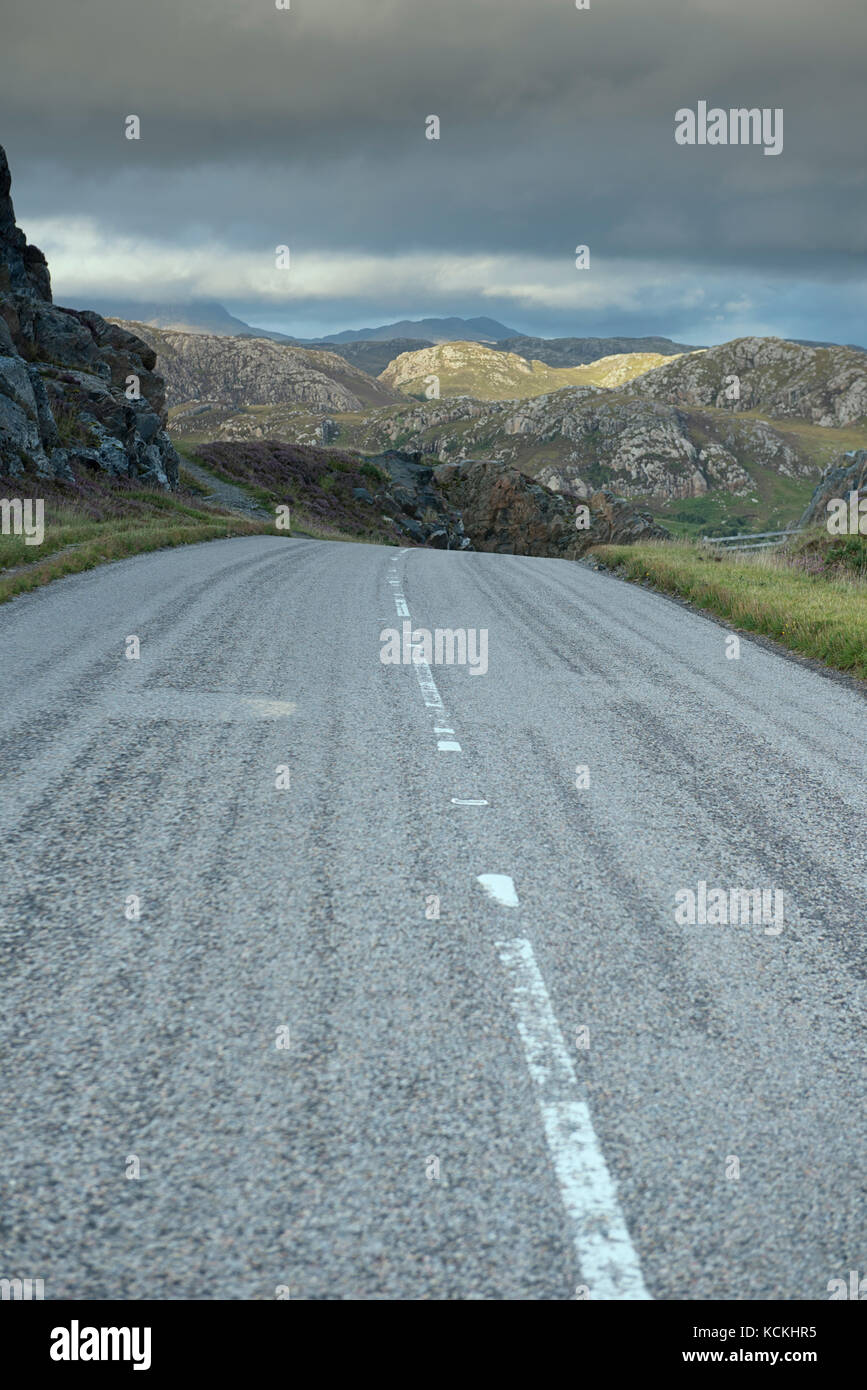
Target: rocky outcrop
[74,389]
[504,511]
[233,371]
[827,385]
[415,503]
[847,473]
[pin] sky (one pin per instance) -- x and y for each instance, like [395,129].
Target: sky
[306,127]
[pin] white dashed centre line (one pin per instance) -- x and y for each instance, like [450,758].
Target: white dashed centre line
[499,887]
[609,1264]
[432,697]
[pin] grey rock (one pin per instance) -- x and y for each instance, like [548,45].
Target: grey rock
[845,474]
[63,378]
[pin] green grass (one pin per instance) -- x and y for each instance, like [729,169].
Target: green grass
[773,503]
[818,443]
[822,614]
[72,546]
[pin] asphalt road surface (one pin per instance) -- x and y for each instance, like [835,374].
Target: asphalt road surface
[242,1055]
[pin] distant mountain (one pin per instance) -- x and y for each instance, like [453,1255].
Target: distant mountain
[374,357]
[486,374]
[191,316]
[241,371]
[452,330]
[813,342]
[575,352]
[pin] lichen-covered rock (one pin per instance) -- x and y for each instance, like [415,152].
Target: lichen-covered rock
[73,388]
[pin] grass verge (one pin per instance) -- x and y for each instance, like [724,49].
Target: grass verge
[95,519]
[112,540]
[818,616]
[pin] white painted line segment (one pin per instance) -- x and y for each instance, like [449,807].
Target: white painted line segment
[461,801]
[609,1264]
[447,745]
[499,887]
[432,697]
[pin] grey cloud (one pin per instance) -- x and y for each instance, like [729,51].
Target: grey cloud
[557,126]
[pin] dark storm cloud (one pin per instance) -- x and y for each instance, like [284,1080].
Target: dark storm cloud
[307,126]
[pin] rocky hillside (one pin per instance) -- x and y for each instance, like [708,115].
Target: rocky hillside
[575,352]
[74,389]
[238,371]
[470,369]
[827,386]
[587,438]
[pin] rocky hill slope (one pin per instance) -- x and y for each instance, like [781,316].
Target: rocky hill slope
[240,371]
[586,438]
[74,389]
[471,369]
[827,386]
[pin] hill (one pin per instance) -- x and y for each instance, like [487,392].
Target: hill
[584,438]
[63,373]
[234,371]
[471,369]
[190,316]
[826,386]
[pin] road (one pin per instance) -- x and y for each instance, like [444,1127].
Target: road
[287,1077]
